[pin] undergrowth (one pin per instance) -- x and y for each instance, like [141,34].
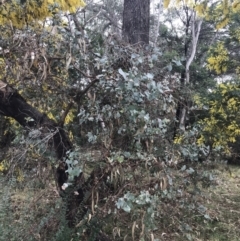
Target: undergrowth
[224,205]
[139,200]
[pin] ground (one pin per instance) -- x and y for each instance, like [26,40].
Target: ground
[221,199]
[224,207]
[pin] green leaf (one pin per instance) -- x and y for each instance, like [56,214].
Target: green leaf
[190,171]
[120,159]
[150,76]
[169,67]
[126,208]
[183,168]
[207,216]
[121,72]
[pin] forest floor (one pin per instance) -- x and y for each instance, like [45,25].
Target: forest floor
[223,203]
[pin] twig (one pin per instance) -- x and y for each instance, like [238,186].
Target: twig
[84,74]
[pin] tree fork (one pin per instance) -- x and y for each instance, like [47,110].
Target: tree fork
[13,105]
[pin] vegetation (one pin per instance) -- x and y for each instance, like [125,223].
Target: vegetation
[119,135]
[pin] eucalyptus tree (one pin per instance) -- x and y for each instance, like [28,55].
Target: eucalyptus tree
[69,68]
[192,15]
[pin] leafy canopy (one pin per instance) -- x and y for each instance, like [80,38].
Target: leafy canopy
[222,125]
[18,14]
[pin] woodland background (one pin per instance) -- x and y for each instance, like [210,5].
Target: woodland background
[117,119]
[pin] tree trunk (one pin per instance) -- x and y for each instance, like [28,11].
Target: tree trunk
[195,36]
[190,53]
[12,104]
[136,15]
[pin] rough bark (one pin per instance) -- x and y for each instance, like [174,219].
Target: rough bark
[136,17]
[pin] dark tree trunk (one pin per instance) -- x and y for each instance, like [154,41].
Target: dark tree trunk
[136,15]
[14,105]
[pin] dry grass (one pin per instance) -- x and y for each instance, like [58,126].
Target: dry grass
[224,207]
[222,201]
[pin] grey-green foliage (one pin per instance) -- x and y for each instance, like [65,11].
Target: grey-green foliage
[189,148]
[74,165]
[137,103]
[144,201]
[131,113]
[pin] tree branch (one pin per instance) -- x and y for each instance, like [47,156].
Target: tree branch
[12,104]
[83,92]
[80,93]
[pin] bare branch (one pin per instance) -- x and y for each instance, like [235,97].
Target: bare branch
[84,74]
[106,14]
[83,92]
[78,94]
